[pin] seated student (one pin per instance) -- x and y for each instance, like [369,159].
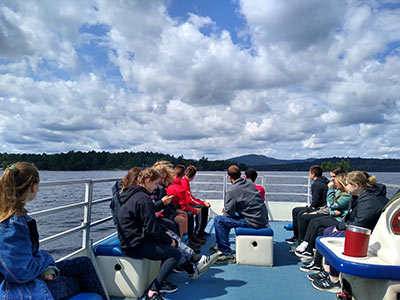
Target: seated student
[364,212]
[319,189]
[25,271]
[183,201]
[142,236]
[338,200]
[202,217]
[252,175]
[169,210]
[243,207]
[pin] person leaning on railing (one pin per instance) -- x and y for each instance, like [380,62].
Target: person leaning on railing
[25,271]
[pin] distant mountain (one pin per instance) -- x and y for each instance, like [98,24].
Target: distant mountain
[264,163]
[262,160]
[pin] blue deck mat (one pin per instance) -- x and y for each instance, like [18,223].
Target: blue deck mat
[283,281]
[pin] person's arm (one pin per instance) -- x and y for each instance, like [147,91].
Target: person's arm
[230,205]
[18,263]
[150,225]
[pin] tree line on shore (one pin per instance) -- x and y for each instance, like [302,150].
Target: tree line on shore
[92,160]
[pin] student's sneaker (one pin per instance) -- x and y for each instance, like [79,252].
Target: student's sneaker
[318,276]
[214,248]
[155,296]
[203,234]
[311,268]
[226,259]
[304,254]
[202,266]
[302,246]
[168,288]
[327,285]
[291,241]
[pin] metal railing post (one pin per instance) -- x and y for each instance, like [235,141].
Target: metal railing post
[224,187]
[87,214]
[309,190]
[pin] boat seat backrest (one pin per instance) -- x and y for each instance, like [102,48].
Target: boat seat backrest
[383,242]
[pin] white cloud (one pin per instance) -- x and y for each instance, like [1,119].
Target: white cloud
[319,78]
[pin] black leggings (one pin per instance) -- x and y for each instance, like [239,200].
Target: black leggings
[155,250]
[316,228]
[296,213]
[304,221]
[201,219]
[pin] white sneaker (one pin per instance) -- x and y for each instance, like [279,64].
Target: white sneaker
[204,263]
[302,246]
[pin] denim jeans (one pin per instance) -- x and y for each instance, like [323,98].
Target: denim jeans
[77,275]
[223,226]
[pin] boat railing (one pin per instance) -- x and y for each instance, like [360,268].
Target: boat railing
[89,202]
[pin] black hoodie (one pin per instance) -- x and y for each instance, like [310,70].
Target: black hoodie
[319,189]
[366,209]
[137,220]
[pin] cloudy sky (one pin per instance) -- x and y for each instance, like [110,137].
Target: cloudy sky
[287,79]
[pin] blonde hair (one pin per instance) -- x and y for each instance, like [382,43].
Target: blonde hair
[14,184]
[166,167]
[341,179]
[361,179]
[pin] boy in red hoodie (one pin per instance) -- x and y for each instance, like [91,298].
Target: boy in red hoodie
[182,200]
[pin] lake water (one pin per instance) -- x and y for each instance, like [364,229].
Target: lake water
[208,186]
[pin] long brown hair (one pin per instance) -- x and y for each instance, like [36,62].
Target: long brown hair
[14,184]
[130,178]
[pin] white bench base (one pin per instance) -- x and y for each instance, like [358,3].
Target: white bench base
[127,277]
[255,250]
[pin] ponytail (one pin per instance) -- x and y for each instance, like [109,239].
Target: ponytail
[14,184]
[130,177]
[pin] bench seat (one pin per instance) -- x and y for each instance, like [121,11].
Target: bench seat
[254,246]
[123,276]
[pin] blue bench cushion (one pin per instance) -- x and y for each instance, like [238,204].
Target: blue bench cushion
[288,226]
[108,247]
[86,296]
[266,231]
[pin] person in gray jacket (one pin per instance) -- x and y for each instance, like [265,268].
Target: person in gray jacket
[243,207]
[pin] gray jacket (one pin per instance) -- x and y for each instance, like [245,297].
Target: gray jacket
[244,200]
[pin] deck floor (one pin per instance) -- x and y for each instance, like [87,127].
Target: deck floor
[230,282]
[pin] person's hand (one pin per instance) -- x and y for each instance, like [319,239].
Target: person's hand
[198,210]
[308,205]
[167,199]
[49,277]
[207,204]
[173,243]
[331,184]
[337,213]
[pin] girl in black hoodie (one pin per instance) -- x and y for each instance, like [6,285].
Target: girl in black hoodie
[139,232]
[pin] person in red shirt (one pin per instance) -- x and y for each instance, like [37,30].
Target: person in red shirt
[202,217]
[182,200]
[252,175]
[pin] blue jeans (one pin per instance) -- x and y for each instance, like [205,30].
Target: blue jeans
[77,275]
[223,226]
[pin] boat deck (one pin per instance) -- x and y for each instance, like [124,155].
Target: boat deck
[229,282]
